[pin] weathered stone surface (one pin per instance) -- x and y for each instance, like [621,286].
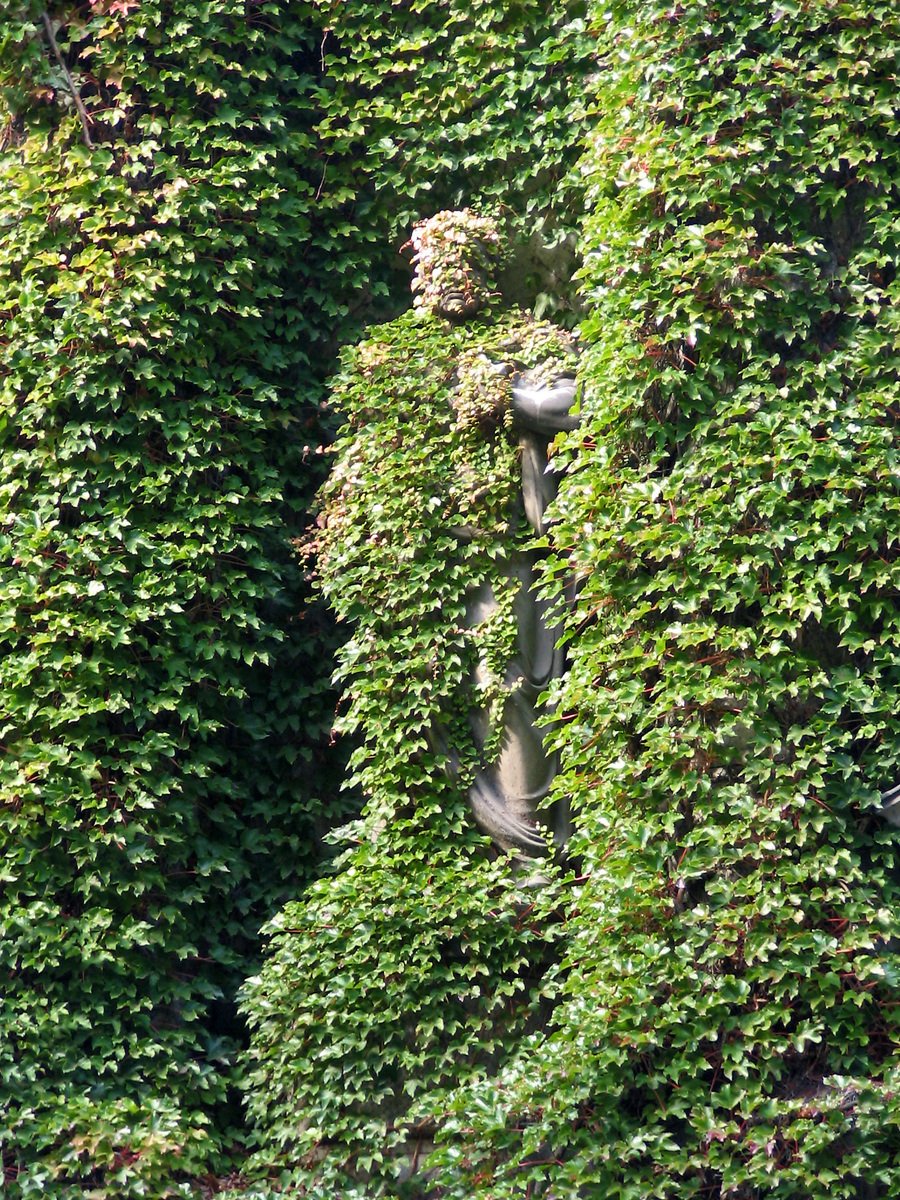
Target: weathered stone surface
[506,794]
[890,805]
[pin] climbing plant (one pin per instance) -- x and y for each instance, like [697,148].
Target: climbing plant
[417,963]
[727,1024]
[162,775]
[430,106]
[717,1013]
[199,203]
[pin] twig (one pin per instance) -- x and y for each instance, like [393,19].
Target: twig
[73,91]
[322,180]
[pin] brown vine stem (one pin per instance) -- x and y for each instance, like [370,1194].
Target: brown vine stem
[73,91]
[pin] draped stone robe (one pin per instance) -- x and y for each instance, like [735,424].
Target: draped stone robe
[506,794]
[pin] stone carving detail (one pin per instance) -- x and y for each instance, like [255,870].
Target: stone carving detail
[890,805]
[505,795]
[453,254]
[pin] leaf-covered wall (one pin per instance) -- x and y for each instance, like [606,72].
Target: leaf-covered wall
[709,1008]
[161,717]
[701,1001]
[198,205]
[727,1022]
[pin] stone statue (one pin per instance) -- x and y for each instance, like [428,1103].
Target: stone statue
[890,805]
[505,795]
[451,280]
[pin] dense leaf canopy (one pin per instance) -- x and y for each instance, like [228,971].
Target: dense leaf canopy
[200,204]
[716,1012]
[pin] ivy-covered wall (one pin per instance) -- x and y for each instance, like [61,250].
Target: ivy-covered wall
[163,775]
[427,106]
[727,1019]
[199,204]
[702,1001]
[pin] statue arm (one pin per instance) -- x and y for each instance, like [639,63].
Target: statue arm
[545,409]
[890,805]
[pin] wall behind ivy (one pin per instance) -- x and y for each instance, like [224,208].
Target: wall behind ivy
[428,106]
[715,1014]
[172,295]
[164,783]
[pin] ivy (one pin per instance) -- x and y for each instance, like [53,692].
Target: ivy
[163,781]
[727,1023]
[440,106]
[199,204]
[716,1012]
[417,963]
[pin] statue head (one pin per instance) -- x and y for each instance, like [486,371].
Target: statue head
[455,255]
